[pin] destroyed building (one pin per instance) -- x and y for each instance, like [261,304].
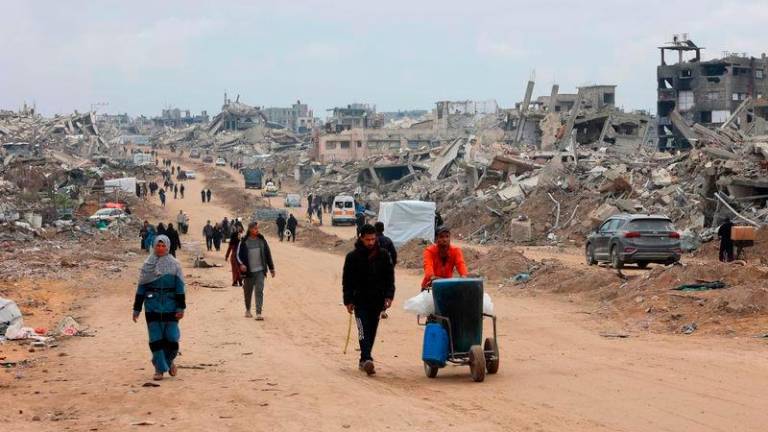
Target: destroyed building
[707,92]
[237,116]
[176,117]
[356,115]
[298,118]
[358,143]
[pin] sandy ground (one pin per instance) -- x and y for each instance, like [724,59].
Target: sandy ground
[288,372]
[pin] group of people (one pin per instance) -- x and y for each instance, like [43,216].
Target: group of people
[205,195]
[317,205]
[148,234]
[220,232]
[288,225]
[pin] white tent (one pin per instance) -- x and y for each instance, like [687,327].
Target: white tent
[407,220]
[125,184]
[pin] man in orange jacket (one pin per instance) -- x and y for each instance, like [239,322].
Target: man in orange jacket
[440,259]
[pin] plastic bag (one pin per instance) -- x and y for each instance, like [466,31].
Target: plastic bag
[487,304]
[421,304]
[16,332]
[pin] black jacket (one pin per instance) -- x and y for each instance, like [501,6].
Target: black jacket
[280,222]
[292,223]
[368,281]
[266,255]
[173,236]
[386,244]
[724,232]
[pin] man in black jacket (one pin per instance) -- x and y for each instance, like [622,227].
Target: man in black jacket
[280,226]
[369,287]
[255,260]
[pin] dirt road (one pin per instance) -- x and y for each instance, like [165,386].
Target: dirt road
[288,373]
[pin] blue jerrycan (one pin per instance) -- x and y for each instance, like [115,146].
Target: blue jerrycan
[435,350]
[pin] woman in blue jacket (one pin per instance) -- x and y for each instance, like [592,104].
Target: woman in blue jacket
[161,292]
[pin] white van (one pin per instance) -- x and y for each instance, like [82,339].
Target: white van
[343,210]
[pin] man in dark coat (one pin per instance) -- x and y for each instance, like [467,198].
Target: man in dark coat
[291,225]
[280,226]
[208,234]
[202,195]
[368,283]
[208,195]
[726,244]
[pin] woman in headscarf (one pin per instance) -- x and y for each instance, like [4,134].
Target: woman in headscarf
[231,255]
[173,235]
[149,240]
[161,229]
[161,293]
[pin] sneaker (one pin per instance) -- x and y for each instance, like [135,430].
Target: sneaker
[259,317]
[368,367]
[248,314]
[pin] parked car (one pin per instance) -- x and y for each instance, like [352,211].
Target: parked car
[221,162]
[208,159]
[292,200]
[190,174]
[634,239]
[108,214]
[270,189]
[343,210]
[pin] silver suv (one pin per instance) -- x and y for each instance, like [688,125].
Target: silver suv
[634,239]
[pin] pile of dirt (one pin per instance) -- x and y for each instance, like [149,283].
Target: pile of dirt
[649,302]
[411,254]
[574,213]
[495,264]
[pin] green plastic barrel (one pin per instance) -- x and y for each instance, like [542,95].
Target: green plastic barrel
[461,301]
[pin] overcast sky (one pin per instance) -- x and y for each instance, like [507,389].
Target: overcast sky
[140,56]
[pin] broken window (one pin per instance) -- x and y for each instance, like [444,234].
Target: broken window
[712,96]
[686,73]
[715,69]
[330,145]
[759,73]
[685,100]
[344,145]
[359,144]
[705,117]
[609,98]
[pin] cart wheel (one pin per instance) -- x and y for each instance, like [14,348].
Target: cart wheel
[430,371]
[492,365]
[477,363]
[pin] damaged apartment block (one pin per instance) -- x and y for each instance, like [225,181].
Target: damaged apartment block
[729,91]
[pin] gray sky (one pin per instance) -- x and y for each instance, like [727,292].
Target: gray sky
[140,56]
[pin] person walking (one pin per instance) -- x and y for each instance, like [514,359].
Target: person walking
[208,195]
[180,218]
[231,256]
[226,229]
[175,192]
[368,284]
[173,236]
[359,222]
[255,260]
[208,234]
[149,240]
[292,224]
[726,243]
[319,210]
[162,197]
[280,222]
[389,246]
[181,190]
[143,232]
[161,293]
[161,230]
[217,236]
[202,194]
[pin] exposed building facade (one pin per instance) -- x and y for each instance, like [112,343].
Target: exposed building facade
[297,118]
[356,115]
[358,143]
[705,92]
